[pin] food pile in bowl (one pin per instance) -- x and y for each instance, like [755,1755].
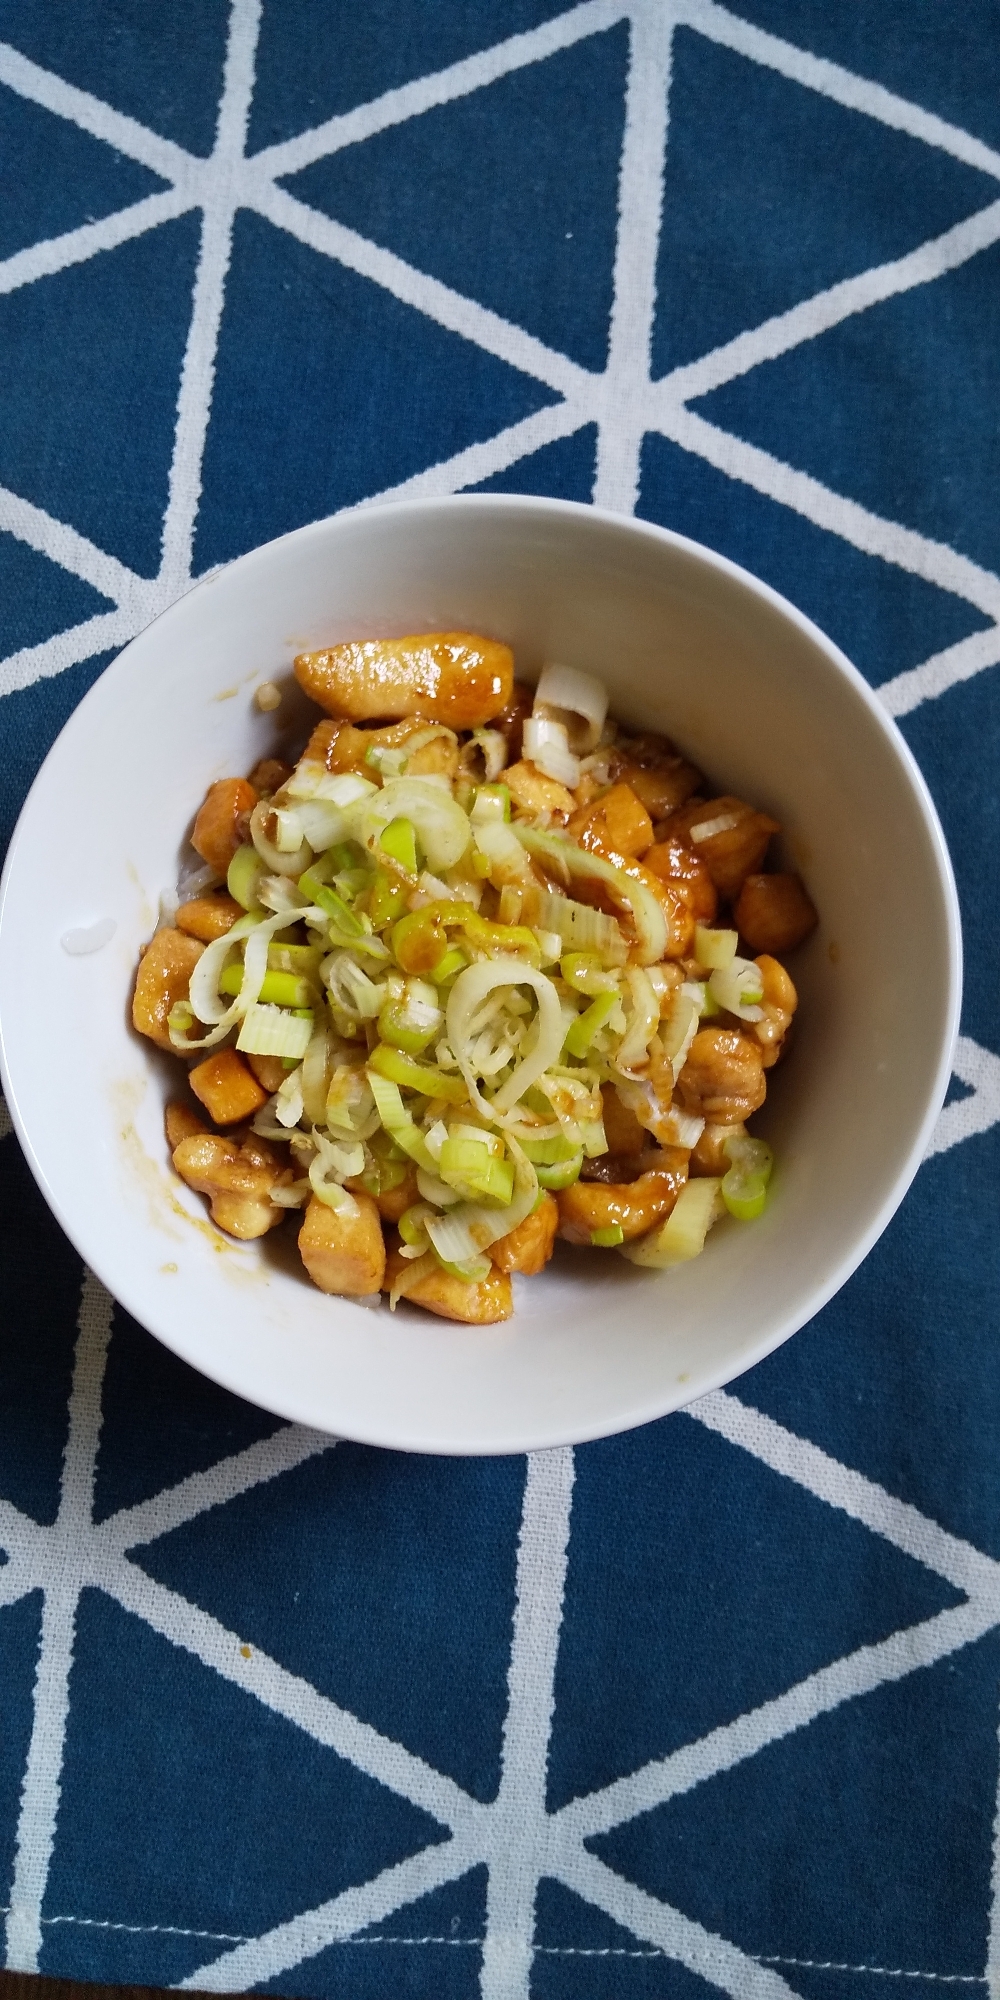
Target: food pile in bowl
[481,970]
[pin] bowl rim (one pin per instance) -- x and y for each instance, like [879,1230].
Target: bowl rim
[629,527]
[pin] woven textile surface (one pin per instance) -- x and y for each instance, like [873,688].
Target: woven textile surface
[711,1707]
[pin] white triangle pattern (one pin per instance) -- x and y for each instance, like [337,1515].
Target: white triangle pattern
[515,1836]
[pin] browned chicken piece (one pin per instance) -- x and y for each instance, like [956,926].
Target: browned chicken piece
[226,1087]
[774,913]
[209,917]
[732,849]
[512,718]
[392,1202]
[618,819]
[343,1254]
[181,1121]
[237,1179]
[480,1304]
[528,1247]
[532,792]
[268,776]
[455,677]
[708,1157]
[270,1072]
[723,1077]
[222,822]
[674,862]
[636,1206]
[164,973]
[656,773]
[342,747]
[779,1004]
[622,1129]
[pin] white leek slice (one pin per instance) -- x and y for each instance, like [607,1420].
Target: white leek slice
[546,743]
[203,990]
[679,1030]
[441,825]
[579,927]
[580,864]
[633,1050]
[493,744]
[707,828]
[293,1194]
[714,948]
[682,1236]
[329,1189]
[738,988]
[277,858]
[315,1073]
[578,700]
[435,1190]
[204,987]
[466,1231]
[504,853]
[273,1031]
[397,1121]
[288,1100]
[468,993]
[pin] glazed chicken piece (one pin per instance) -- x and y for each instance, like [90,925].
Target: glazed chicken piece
[729,836]
[773,913]
[208,917]
[528,1247]
[617,821]
[227,1087]
[533,792]
[480,1304]
[779,1003]
[223,821]
[236,1178]
[165,970]
[343,1254]
[723,1077]
[453,677]
[635,1205]
[342,747]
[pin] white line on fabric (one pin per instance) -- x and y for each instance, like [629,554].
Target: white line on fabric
[93,115]
[194,400]
[517,1820]
[968,1116]
[43,1770]
[793,1457]
[482,461]
[77,642]
[872,533]
[845,1679]
[942,671]
[442,86]
[702,1952]
[427,295]
[270,1458]
[640,202]
[843,86]
[289,1944]
[184,1624]
[827,309]
[63,545]
[59,253]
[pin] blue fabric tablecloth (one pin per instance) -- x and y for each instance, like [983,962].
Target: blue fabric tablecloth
[707,1708]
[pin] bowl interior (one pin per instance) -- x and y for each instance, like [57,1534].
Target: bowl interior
[687,644]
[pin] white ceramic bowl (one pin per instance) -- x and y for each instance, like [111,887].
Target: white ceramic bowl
[688,644]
